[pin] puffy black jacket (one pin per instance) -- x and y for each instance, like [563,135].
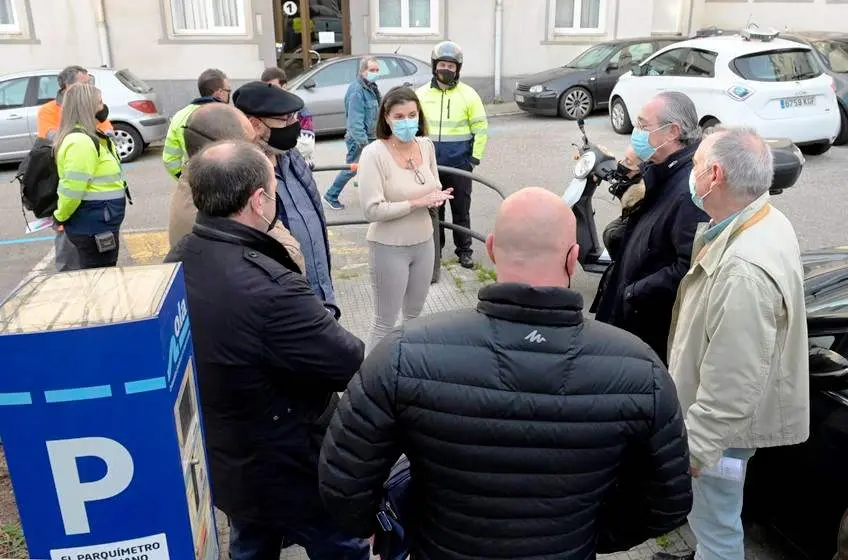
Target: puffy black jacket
[531,433]
[270,359]
[637,292]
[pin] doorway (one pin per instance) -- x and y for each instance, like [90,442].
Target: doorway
[308,32]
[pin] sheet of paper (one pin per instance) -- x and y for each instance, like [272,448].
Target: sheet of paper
[728,468]
[39,225]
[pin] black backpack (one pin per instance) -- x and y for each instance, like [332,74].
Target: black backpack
[39,178]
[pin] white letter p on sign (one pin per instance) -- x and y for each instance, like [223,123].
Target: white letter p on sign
[72,493]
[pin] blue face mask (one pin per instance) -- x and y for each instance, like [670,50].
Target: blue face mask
[640,139]
[371,76]
[697,200]
[405,129]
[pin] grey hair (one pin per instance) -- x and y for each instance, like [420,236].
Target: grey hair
[69,76]
[745,158]
[222,183]
[82,101]
[678,108]
[212,123]
[365,61]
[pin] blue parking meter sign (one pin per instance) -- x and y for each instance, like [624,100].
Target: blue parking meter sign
[100,417]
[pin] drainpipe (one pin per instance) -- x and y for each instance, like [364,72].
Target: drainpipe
[498,46]
[103,33]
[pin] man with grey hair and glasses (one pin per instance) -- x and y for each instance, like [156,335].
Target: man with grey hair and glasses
[739,355]
[362,101]
[637,292]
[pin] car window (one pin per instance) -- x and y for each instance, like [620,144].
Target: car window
[699,64]
[13,93]
[133,82]
[390,67]
[777,66]
[408,68]
[337,74]
[631,55]
[47,88]
[592,57]
[835,54]
[667,64]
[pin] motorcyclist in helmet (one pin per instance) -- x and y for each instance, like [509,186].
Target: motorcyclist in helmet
[459,128]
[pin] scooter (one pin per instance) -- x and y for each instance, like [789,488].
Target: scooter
[595,165]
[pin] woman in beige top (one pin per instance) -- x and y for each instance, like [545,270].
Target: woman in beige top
[398,183]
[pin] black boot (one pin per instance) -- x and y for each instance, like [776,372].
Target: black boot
[465,261]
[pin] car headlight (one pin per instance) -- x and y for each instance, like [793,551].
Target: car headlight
[537,89]
[584,165]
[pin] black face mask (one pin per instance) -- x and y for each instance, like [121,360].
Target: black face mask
[285,138]
[102,114]
[447,77]
[277,209]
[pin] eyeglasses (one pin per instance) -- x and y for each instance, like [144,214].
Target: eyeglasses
[419,177]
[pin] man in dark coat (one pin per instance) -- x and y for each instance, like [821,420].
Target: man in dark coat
[637,292]
[270,360]
[531,431]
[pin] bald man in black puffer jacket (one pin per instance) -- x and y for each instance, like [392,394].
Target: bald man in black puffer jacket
[532,432]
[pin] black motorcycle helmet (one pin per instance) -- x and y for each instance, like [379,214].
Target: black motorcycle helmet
[447,51]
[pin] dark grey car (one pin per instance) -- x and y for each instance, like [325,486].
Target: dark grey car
[584,84]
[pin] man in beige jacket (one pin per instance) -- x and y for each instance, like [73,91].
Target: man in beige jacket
[212,123]
[738,334]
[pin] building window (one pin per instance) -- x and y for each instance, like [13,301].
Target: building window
[407,16]
[8,21]
[207,16]
[578,16]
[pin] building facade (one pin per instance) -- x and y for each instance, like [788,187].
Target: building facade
[169,42]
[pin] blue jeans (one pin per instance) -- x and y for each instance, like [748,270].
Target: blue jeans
[354,150]
[716,516]
[321,538]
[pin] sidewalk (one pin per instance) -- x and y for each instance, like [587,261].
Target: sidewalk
[504,109]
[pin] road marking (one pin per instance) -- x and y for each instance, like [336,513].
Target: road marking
[21,240]
[149,247]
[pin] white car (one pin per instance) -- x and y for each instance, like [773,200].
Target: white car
[772,85]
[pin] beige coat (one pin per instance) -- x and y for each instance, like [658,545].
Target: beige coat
[183,214]
[739,352]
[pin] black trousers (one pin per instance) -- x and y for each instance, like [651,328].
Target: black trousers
[460,212]
[90,256]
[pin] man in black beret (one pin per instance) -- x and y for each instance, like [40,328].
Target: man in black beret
[273,112]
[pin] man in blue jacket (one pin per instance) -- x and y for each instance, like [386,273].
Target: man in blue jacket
[273,113]
[362,101]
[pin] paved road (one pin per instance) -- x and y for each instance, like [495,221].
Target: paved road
[523,151]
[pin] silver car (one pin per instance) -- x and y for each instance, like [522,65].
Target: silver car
[132,110]
[323,87]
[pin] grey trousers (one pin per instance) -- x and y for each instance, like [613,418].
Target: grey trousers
[400,280]
[67,255]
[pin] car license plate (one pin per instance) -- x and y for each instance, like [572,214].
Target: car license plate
[802,101]
[519,99]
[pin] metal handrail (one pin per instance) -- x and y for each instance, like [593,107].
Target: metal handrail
[453,171]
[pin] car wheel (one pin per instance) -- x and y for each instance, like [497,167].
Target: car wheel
[842,138]
[619,117]
[708,123]
[128,141]
[575,103]
[816,149]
